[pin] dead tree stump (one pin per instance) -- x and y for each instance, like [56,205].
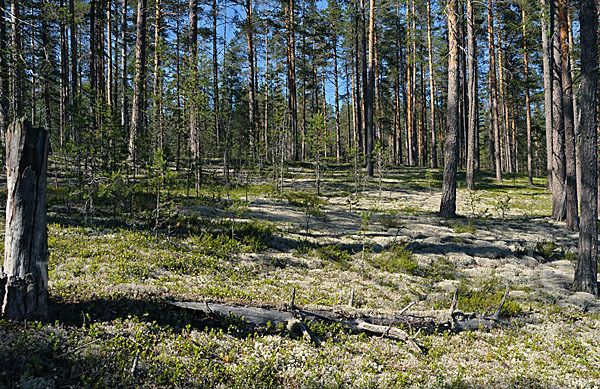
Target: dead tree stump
[24,276]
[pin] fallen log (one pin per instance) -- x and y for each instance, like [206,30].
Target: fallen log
[387,326]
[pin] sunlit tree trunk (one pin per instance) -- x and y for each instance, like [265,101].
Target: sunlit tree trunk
[215,63]
[586,271]
[137,118]
[109,55]
[369,90]
[291,74]
[493,104]
[558,129]
[472,118]
[157,90]
[338,147]
[124,83]
[64,78]
[527,102]
[572,217]
[251,77]
[74,55]
[547,71]
[448,204]
[431,90]
[193,108]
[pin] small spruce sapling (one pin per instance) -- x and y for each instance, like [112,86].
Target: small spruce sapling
[502,205]
[317,141]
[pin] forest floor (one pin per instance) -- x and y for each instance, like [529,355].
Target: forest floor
[380,242]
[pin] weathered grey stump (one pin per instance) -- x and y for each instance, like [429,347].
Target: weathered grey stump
[24,276]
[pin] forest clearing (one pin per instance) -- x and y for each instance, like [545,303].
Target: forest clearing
[112,284]
[299,194]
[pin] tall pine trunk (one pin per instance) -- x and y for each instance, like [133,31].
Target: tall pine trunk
[493,99]
[137,108]
[558,129]
[124,83]
[586,278]
[434,163]
[527,102]
[193,70]
[215,63]
[291,75]
[251,78]
[448,204]
[157,103]
[547,71]
[338,140]
[370,87]
[572,217]
[472,117]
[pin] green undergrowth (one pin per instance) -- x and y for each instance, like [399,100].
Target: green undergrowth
[113,275]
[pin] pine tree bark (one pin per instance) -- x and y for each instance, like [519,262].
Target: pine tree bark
[409,92]
[547,71]
[493,92]
[137,118]
[124,83]
[215,63]
[355,125]
[193,70]
[63,80]
[157,87]
[370,86]
[24,277]
[74,50]
[586,278]
[558,129]
[434,163]
[109,56]
[92,50]
[251,77]
[291,74]
[503,111]
[572,217]
[472,117]
[338,135]
[448,204]
[357,78]
[364,82]
[527,102]
[46,70]
[266,98]
[416,150]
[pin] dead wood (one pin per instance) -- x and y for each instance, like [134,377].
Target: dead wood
[388,326]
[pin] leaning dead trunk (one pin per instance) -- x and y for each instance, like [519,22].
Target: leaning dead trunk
[24,277]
